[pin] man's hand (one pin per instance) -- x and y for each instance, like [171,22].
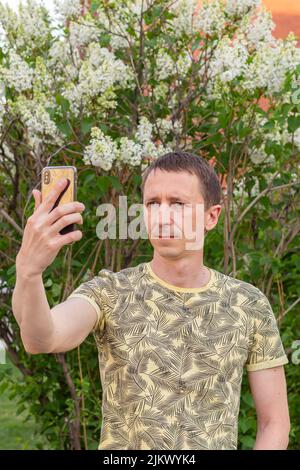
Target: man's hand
[42,240]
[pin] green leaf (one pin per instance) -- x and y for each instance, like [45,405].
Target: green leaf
[76,263]
[94,6]
[245,424]
[56,290]
[64,127]
[103,184]
[293,123]
[11,270]
[20,409]
[62,102]
[48,283]
[115,182]
[86,125]
[248,399]
[3,387]
[137,179]
[247,441]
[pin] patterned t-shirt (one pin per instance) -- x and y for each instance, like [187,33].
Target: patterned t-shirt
[171,359]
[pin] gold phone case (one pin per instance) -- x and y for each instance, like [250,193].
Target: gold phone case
[50,176]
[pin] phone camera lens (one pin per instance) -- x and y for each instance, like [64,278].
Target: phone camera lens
[47,177]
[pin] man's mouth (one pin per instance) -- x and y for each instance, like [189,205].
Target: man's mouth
[166,236]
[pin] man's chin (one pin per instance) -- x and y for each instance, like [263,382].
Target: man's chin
[167,247]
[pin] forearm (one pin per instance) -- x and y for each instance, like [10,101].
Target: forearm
[32,311]
[272,436]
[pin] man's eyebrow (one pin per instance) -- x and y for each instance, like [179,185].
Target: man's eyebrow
[171,197]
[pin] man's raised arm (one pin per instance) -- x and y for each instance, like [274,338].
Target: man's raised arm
[66,325]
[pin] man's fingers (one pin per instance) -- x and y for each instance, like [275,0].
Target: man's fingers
[64,209]
[50,200]
[66,239]
[73,218]
[37,198]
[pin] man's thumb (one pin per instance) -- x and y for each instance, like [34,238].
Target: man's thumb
[37,198]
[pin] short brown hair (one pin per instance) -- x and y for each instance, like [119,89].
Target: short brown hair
[194,164]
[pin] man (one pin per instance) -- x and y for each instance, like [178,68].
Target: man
[173,335]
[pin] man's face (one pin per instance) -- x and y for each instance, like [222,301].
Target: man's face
[174,212]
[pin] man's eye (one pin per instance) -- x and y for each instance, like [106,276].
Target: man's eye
[178,203]
[152,202]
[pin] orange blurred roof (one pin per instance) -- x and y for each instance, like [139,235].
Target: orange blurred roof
[286,15]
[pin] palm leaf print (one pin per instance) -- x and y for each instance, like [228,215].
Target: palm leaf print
[171,362]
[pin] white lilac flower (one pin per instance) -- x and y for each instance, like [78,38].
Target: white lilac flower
[82,33]
[279,134]
[161,150]
[259,156]
[25,28]
[296,138]
[160,91]
[18,75]
[59,55]
[144,131]
[166,126]
[144,137]
[73,94]
[68,8]
[2,108]
[118,35]
[101,70]
[64,60]
[238,190]
[137,6]
[216,89]
[260,29]
[130,152]
[154,151]
[184,11]
[37,120]
[102,151]
[7,151]
[102,18]
[118,41]
[211,19]
[183,64]
[120,14]
[1,117]
[165,66]
[270,65]
[37,144]
[42,80]
[255,188]
[99,73]
[229,60]
[241,7]
[80,101]
[149,149]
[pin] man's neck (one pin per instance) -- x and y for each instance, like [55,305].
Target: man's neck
[187,272]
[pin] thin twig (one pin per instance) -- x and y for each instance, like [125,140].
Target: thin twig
[11,221]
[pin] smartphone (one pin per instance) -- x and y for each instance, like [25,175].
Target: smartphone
[50,176]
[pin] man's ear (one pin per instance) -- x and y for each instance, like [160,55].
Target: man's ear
[212,218]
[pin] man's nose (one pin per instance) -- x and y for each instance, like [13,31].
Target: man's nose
[164,213]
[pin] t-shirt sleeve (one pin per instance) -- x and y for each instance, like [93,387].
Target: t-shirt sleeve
[94,291]
[266,348]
